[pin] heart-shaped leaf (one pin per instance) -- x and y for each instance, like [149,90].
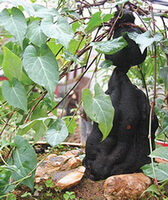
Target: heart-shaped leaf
[161,152]
[145,39]
[57,132]
[12,64]
[26,5]
[14,22]
[41,66]
[23,129]
[43,12]
[99,108]
[161,171]
[35,34]
[96,20]
[15,94]
[111,46]
[25,159]
[58,28]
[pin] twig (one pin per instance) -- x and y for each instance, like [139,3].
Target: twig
[6,124]
[35,105]
[114,23]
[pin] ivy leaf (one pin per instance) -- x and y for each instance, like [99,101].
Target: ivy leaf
[43,12]
[27,6]
[106,64]
[14,22]
[96,20]
[5,175]
[58,28]
[15,94]
[71,124]
[161,171]
[165,130]
[12,64]
[107,17]
[145,39]
[57,132]
[164,75]
[25,159]
[35,34]
[161,152]
[23,129]
[165,45]
[111,46]
[99,108]
[41,66]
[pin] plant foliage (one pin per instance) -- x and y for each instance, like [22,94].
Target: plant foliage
[40,46]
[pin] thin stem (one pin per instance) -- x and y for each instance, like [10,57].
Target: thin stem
[33,108]
[74,85]
[6,124]
[143,80]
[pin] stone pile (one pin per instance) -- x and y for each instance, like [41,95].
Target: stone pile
[66,172]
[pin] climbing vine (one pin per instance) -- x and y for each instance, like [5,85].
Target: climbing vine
[40,46]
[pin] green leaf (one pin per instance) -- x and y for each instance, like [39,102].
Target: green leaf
[14,48]
[145,39]
[35,34]
[25,79]
[12,65]
[94,22]
[152,188]
[70,123]
[111,46]
[161,152]
[161,171]
[38,125]
[5,175]
[32,124]
[106,64]
[43,12]
[164,75]
[15,94]
[11,197]
[24,158]
[57,132]
[165,130]
[165,45]
[40,129]
[27,6]
[99,108]
[55,47]
[41,66]
[107,17]
[58,28]
[14,22]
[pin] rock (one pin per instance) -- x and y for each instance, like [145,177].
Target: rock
[64,170]
[126,186]
[71,179]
